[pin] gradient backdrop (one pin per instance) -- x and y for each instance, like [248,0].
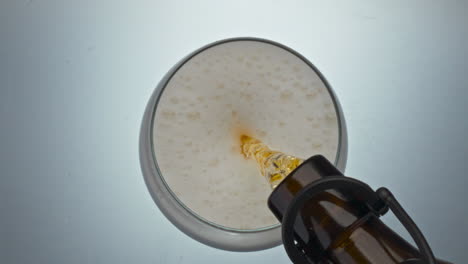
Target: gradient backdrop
[75,77]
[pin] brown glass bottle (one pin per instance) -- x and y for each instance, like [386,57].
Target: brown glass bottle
[334,227]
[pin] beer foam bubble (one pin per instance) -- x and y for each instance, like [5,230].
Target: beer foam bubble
[234,88]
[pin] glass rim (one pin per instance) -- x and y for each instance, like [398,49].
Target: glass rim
[341,151]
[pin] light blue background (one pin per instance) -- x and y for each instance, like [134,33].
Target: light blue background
[75,77]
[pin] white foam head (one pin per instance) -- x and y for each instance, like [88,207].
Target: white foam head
[232,88]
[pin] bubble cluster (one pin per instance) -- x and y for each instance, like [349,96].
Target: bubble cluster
[231,88]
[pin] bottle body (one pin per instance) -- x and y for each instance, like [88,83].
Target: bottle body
[333,226]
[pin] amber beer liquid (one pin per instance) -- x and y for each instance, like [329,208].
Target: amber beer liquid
[332,227]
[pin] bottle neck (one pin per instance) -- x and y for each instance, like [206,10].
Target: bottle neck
[315,168]
[334,226]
